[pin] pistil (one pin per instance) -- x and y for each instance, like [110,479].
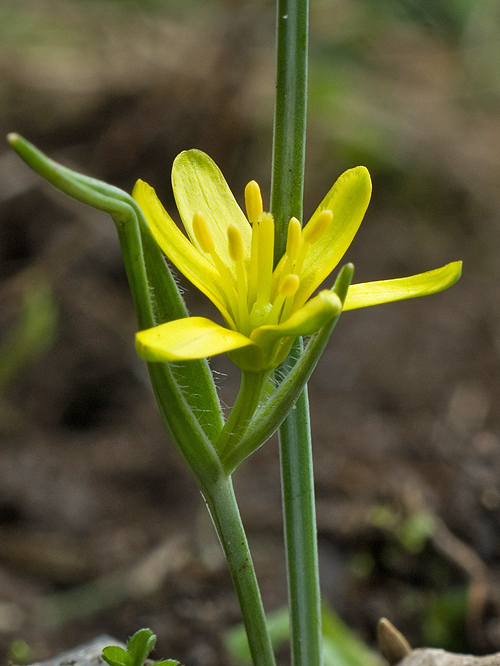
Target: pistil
[236,252]
[254,207]
[262,269]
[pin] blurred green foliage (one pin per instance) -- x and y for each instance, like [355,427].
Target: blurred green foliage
[443,624]
[20,652]
[341,646]
[32,333]
[412,531]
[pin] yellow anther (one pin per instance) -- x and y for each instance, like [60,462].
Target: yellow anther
[202,234]
[289,285]
[293,237]
[253,201]
[235,243]
[317,227]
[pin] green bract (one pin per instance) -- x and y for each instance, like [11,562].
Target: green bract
[229,256]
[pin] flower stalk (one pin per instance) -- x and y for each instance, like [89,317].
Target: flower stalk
[221,503]
[244,408]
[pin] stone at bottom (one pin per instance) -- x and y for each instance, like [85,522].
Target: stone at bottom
[435,657]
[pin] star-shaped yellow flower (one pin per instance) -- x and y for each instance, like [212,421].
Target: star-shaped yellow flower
[229,257]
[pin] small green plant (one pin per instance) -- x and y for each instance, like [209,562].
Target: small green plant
[139,647]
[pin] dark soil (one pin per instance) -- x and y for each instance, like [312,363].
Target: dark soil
[101,526]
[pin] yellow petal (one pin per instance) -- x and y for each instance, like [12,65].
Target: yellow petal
[187,339]
[384,291]
[348,200]
[199,186]
[179,249]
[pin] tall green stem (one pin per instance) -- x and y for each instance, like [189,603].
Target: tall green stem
[295,435]
[289,117]
[297,482]
[225,514]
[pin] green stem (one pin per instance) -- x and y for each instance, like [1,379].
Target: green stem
[247,401]
[226,517]
[295,435]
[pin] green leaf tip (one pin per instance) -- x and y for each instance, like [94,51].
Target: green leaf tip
[139,647]
[343,281]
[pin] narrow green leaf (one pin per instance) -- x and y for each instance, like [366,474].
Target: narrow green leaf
[192,417]
[156,294]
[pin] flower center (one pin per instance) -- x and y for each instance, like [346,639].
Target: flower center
[255,293]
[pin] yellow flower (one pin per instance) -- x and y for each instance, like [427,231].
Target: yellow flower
[229,257]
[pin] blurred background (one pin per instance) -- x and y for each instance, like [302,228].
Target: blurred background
[101,527]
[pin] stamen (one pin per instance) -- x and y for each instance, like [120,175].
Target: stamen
[317,227]
[287,290]
[290,285]
[235,245]
[253,201]
[202,234]
[311,234]
[292,249]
